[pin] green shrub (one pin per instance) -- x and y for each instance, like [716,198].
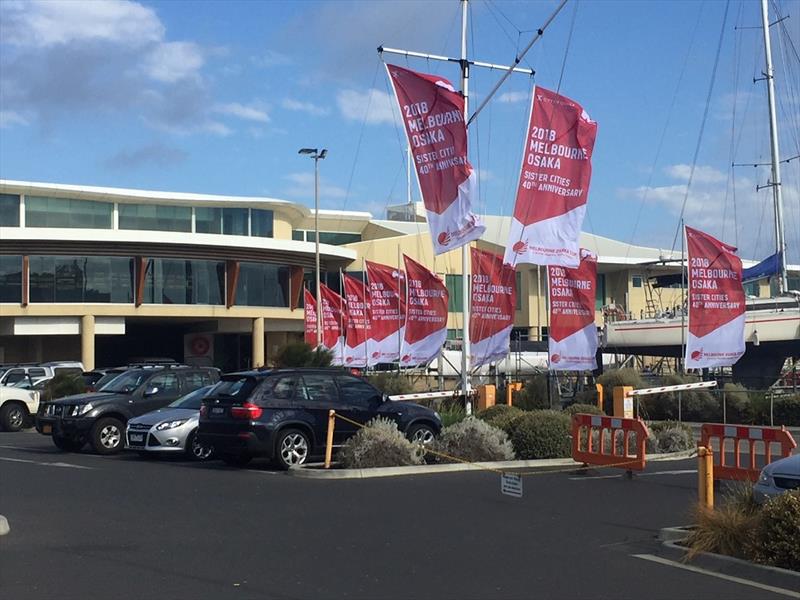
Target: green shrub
[615,378]
[674,439]
[533,395]
[696,405]
[391,383]
[473,440]
[379,444]
[786,410]
[452,414]
[542,434]
[63,384]
[586,409]
[737,403]
[300,354]
[725,530]
[500,416]
[777,536]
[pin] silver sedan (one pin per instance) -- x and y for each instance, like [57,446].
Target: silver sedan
[170,429]
[778,477]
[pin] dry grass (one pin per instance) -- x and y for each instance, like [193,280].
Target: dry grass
[725,530]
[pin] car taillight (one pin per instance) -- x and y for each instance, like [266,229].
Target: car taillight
[246,411]
[203,410]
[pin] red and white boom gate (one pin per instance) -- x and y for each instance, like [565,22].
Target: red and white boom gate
[624,395]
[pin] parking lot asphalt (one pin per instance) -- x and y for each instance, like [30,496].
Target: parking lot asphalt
[86,526]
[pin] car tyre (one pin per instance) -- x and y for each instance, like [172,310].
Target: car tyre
[68,444]
[13,416]
[107,436]
[236,460]
[196,450]
[292,448]
[421,434]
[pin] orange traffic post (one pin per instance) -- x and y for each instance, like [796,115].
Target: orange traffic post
[623,401]
[329,440]
[510,389]
[599,389]
[705,477]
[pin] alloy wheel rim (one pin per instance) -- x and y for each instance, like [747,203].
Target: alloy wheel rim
[423,436]
[15,417]
[294,449]
[110,436]
[199,450]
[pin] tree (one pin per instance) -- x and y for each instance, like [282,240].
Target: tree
[300,354]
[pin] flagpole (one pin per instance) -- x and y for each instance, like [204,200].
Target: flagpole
[342,308]
[399,313]
[366,330]
[684,303]
[465,379]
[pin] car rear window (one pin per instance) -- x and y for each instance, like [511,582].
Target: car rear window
[237,387]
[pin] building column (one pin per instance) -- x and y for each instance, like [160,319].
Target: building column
[258,342]
[87,342]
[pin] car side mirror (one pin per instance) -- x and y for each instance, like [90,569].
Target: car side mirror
[151,391]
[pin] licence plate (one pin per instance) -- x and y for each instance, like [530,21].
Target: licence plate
[136,437]
[47,429]
[217,410]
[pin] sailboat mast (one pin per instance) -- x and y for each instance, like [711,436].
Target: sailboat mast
[465,296]
[780,241]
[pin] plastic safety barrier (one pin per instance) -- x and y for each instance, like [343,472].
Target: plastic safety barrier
[613,450]
[754,437]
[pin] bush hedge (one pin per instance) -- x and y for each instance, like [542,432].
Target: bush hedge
[786,410]
[533,395]
[696,405]
[379,444]
[586,409]
[541,434]
[391,383]
[777,538]
[615,378]
[473,440]
[499,415]
[63,384]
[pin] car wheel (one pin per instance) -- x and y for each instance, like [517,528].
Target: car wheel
[421,434]
[236,460]
[12,417]
[291,448]
[196,450]
[107,436]
[68,444]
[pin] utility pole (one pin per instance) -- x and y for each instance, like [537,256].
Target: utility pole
[317,155]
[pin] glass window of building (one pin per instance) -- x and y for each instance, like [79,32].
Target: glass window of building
[752,288]
[154,217]
[42,279]
[9,210]
[43,211]
[81,279]
[456,301]
[234,221]
[636,281]
[262,285]
[184,282]
[208,220]
[10,278]
[337,239]
[261,222]
[600,292]
[298,235]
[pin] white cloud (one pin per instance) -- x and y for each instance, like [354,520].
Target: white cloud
[253,112]
[374,105]
[9,118]
[40,23]
[513,97]
[302,185]
[702,174]
[307,107]
[173,61]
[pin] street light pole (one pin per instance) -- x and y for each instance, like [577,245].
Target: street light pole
[317,155]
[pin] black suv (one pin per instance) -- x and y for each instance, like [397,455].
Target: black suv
[283,414]
[100,417]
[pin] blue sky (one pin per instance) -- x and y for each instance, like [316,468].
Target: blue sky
[216,97]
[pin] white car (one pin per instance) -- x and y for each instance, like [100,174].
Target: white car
[16,407]
[778,477]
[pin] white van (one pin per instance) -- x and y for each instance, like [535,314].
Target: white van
[11,374]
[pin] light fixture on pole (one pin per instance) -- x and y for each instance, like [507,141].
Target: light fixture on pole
[317,155]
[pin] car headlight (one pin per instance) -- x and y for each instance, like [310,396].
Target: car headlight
[170,424]
[764,477]
[81,409]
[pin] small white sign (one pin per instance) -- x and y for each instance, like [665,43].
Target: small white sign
[511,484]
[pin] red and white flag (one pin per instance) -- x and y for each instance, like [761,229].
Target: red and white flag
[310,314]
[494,301]
[333,320]
[357,324]
[426,316]
[573,333]
[433,114]
[387,312]
[716,303]
[553,183]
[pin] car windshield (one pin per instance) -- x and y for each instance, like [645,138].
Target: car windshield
[106,379]
[192,400]
[25,384]
[126,382]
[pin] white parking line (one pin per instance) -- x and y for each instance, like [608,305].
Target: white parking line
[653,474]
[46,464]
[755,584]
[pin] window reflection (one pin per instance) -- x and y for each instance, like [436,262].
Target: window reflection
[9,210]
[81,279]
[11,278]
[153,217]
[41,211]
[184,281]
[262,285]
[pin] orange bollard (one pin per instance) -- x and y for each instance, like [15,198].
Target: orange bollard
[510,389]
[705,477]
[599,389]
[329,440]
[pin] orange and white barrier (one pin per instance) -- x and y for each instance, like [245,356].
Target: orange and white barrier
[602,450]
[753,438]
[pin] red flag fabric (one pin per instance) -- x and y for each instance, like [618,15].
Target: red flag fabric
[433,115]
[357,324]
[310,314]
[494,301]
[333,319]
[716,303]
[553,183]
[426,316]
[387,310]
[573,333]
